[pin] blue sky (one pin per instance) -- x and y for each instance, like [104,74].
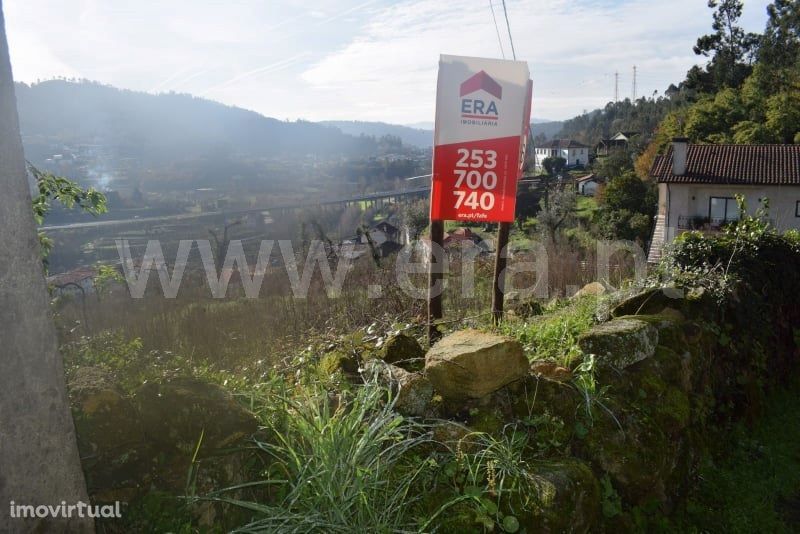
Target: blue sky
[357,59]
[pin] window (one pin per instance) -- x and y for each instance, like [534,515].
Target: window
[797,209]
[722,210]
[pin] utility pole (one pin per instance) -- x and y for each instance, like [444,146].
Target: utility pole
[616,87]
[634,83]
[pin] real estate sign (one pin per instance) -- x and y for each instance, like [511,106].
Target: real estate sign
[482,116]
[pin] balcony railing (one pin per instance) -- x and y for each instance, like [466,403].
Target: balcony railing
[700,222]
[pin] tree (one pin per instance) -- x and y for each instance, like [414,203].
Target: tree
[415,218]
[783,116]
[221,244]
[731,49]
[780,45]
[628,208]
[613,165]
[39,462]
[556,209]
[554,166]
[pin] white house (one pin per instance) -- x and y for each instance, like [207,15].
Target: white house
[573,152]
[697,186]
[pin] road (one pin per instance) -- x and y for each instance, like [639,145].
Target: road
[233,213]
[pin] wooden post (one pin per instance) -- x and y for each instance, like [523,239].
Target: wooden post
[435,280]
[498,280]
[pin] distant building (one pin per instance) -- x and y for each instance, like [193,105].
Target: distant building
[573,152]
[80,280]
[697,186]
[587,185]
[386,238]
[620,141]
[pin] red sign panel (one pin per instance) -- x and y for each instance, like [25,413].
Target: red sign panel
[476,180]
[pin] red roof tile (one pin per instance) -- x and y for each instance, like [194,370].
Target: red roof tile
[75,276]
[733,164]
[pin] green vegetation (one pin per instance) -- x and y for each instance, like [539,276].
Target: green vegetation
[52,188]
[553,335]
[594,445]
[335,466]
[755,487]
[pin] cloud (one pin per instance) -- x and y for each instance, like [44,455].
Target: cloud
[357,59]
[573,47]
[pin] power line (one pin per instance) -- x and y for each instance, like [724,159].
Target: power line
[497,29]
[510,39]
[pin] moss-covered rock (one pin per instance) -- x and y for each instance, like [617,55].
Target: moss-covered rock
[620,343]
[649,302]
[403,351]
[486,419]
[570,498]
[413,390]
[111,440]
[176,413]
[335,362]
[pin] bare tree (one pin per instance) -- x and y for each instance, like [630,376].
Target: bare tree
[39,462]
[221,245]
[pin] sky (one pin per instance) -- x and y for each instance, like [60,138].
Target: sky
[372,60]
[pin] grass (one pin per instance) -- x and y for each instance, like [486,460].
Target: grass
[335,465]
[554,335]
[585,208]
[756,487]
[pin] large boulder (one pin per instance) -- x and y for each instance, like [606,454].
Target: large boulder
[470,364]
[620,343]
[655,301]
[111,442]
[176,413]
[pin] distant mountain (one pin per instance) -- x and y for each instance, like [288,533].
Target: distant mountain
[547,128]
[166,126]
[424,125]
[418,137]
[420,134]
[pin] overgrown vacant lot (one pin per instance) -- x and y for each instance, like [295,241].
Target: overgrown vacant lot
[652,409]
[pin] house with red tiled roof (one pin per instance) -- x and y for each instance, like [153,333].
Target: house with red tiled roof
[79,280]
[697,186]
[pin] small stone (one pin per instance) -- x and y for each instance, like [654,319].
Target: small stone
[592,289]
[551,371]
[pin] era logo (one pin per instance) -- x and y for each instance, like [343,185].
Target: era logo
[476,108]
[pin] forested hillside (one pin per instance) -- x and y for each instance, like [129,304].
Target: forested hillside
[410,136]
[167,126]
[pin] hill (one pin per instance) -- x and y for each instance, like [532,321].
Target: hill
[169,125]
[418,137]
[421,134]
[549,129]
